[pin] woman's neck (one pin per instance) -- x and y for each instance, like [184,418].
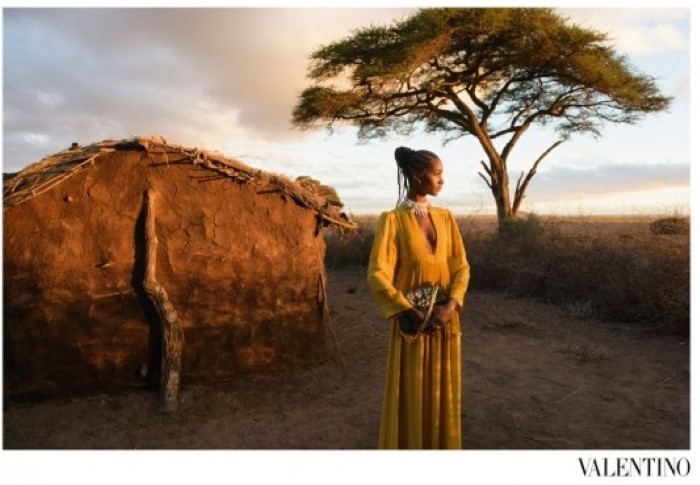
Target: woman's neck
[416,197]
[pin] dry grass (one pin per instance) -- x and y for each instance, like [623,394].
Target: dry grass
[609,267]
[350,248]
[513,322]
[585,351]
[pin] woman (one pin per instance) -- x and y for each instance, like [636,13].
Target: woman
[417,244]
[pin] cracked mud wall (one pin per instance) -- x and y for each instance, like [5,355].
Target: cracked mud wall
[241,268]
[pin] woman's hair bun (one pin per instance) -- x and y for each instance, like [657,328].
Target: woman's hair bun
[402,155]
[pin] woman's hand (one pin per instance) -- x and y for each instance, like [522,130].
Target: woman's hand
[443,313]
[410,320]
[416,316]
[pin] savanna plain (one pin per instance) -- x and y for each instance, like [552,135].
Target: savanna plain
[575,336]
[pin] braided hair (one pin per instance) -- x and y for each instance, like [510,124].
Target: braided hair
[411,163]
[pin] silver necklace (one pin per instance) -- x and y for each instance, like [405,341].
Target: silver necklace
[420,209]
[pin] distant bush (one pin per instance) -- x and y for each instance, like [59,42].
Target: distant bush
[671,226]
[624,277]
[350,248]
[530,228]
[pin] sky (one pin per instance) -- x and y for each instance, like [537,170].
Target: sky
[227,80]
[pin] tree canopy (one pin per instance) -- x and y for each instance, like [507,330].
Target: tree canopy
[487,72]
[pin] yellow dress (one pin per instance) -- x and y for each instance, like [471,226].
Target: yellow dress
[422,395]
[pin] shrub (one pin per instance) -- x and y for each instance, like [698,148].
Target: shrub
[350,248]
[671,226]
[530,228]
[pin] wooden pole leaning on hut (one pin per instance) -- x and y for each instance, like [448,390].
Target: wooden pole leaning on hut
[173,338]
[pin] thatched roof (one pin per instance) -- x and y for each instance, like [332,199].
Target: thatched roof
[54,169]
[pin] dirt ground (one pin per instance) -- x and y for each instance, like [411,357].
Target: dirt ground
[534,377]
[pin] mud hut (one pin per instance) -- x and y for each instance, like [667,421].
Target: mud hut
[139,261]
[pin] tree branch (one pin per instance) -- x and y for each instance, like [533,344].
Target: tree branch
[455,118]
[471,91]
[520,189]
[485,180]
[517,185]
[461,105]
[504,132]
[550,110]
[516,136]
[522,112]
[486,167]
[494,102]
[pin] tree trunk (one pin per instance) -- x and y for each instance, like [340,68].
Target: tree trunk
[502,196]
[497,175]
[501,191]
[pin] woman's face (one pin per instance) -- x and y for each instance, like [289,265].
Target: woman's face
[431,181]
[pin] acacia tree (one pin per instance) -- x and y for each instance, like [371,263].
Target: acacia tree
[492,73]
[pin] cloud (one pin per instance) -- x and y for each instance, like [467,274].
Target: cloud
[653,38]
[571,182]
[637,31]
[84,74]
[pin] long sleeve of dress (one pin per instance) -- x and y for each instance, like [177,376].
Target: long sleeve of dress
[381,268]
[457,263]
